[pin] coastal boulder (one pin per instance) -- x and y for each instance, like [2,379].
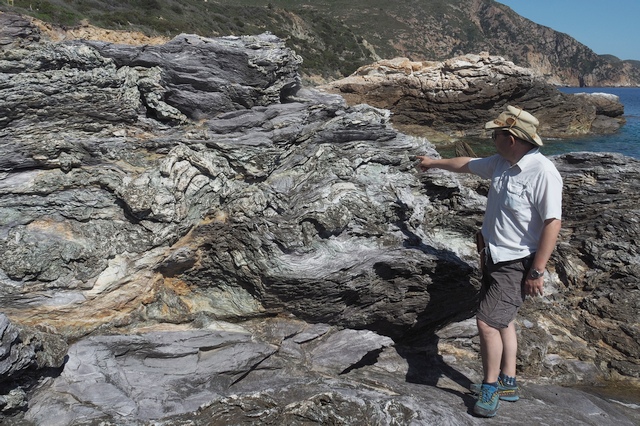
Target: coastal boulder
[457,96]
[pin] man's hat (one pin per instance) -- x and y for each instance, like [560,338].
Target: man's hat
[519,123]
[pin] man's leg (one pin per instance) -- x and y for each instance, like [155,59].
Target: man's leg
[491,349]
[509,339]
[500,298]
[506,375]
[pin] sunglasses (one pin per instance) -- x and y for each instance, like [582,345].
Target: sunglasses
[496,133]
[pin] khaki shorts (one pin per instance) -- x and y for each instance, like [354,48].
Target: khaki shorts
[502,291]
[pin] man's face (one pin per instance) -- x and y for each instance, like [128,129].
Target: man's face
[502,140]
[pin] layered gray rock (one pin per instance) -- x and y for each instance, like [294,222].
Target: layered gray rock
[25,353]
[147,376]
[204,78]
[15,29]
[276,259]
[281,371]
[245,191]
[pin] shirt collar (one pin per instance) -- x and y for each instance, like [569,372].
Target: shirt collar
[527,158]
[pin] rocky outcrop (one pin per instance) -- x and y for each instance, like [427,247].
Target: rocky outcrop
[149,205]
[211,258]
[15,28]
[457,96]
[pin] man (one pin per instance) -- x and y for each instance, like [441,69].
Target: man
[520,230]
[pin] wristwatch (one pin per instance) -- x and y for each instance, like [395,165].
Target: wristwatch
[535,274]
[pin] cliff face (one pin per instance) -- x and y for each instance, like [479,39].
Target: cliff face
[218,245]
[555,56]
[441,30]
[436,31]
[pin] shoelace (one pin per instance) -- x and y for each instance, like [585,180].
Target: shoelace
[487,394]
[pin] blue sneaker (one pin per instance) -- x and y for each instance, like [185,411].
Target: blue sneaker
[506,392]
[488,401]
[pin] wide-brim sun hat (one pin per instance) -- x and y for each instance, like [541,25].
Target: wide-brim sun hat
[519,123]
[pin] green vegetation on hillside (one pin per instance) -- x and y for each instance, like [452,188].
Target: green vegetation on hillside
[330,35]
[329,48]
[335,37]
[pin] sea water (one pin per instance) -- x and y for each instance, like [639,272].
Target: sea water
[626,141]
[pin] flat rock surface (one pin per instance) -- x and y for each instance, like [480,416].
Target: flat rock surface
[230,375]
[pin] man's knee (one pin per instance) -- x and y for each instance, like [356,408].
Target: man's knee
[485,329]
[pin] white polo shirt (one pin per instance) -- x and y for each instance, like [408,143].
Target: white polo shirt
[521,198]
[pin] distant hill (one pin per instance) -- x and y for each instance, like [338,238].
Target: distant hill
[335,37]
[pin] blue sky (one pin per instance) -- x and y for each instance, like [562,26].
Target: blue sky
[605,26]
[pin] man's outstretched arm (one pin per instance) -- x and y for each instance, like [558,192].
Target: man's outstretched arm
[456,164]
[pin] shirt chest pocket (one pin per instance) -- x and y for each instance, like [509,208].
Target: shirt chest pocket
[516,196]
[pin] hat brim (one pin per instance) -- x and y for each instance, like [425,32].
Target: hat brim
[491,125]
[535,140]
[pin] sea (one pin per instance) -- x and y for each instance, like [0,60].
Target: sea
[626,141]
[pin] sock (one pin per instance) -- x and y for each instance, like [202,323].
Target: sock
[507,380]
